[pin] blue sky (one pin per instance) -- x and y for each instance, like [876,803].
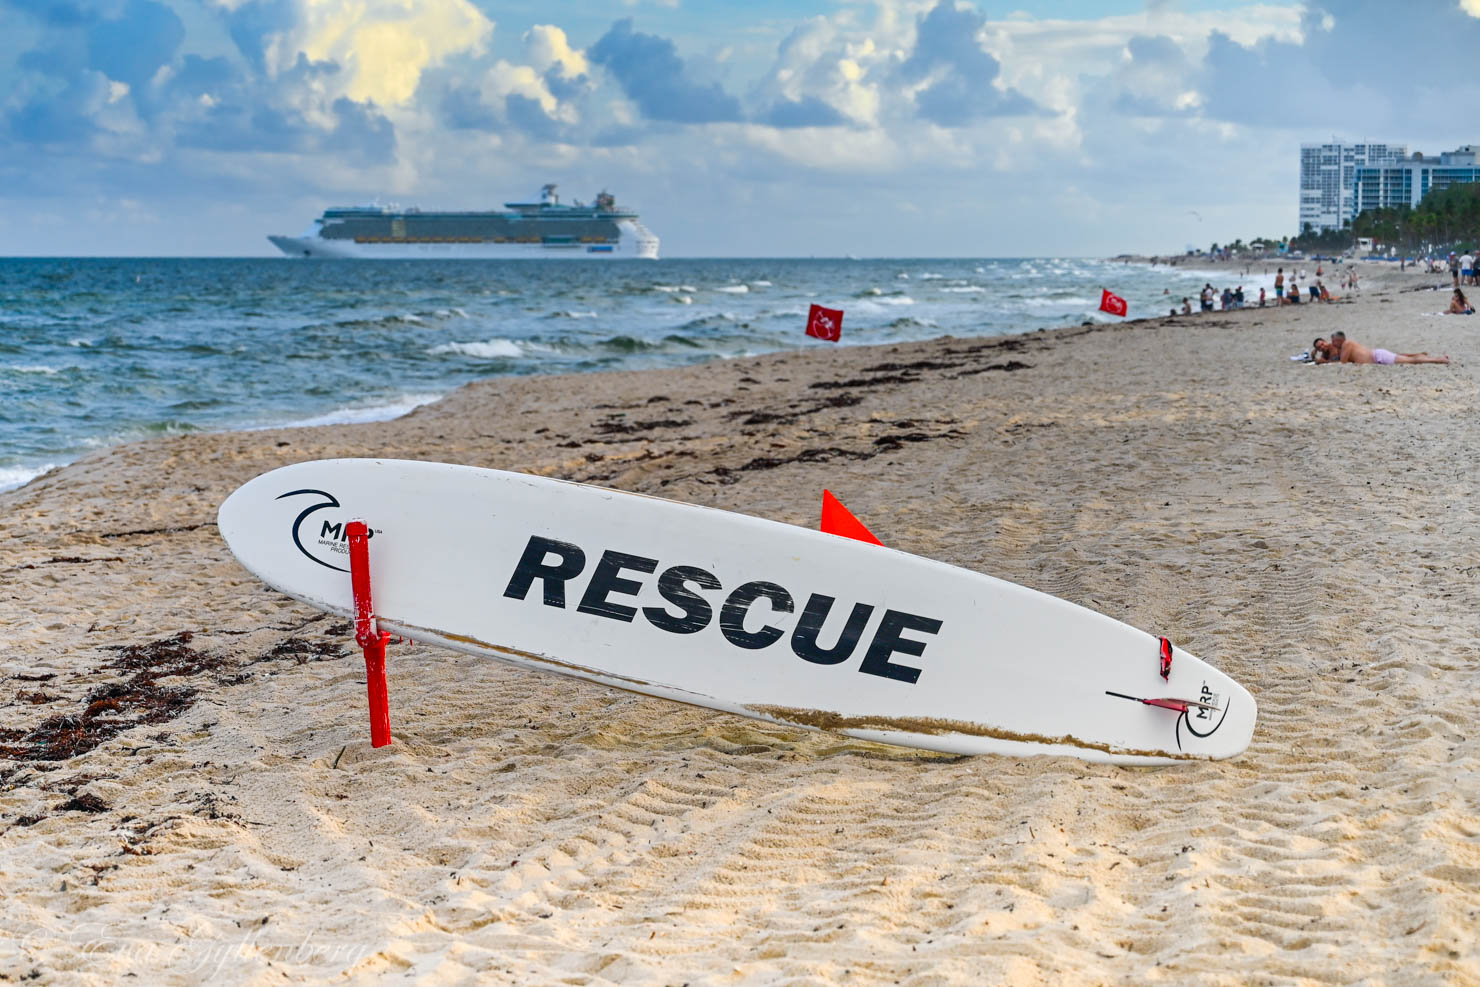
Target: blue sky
[868,127]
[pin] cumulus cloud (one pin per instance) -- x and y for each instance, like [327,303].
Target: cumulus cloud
[398,96]
[355,132]
[385,45]
[546,47]
[462,108]
[514,97]
[1156,78]
[530,117]
[61,116]
[1350,60]
[257,27]
[809,111]
[958,76]
[132,46]
[652,75]
[821,76]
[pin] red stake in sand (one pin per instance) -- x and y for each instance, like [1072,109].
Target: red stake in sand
[368,634]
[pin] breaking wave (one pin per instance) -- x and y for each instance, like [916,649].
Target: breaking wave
[489,349]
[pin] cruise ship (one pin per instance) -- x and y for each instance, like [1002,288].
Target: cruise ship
[526,229]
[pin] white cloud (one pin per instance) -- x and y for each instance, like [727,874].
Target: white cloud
[382,46]
[830,60]
[546,46]
[1038,54]
[505,78]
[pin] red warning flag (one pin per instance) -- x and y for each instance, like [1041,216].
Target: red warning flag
[825,323]
[1112,303]
[838,520]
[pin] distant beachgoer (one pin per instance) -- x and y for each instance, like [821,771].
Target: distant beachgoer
[1459,304]
[1315,292]
[1467,269]
[1279,285]
[1339,349]
[1454,267]
[1207,298]
[1186,306]
[1238,297]
[1261,297]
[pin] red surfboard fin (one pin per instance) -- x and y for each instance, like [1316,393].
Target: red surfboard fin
[1180,705]
[838,520]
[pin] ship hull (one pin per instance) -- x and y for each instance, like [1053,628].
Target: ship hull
[315,247]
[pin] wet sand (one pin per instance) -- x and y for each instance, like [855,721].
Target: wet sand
[187,788]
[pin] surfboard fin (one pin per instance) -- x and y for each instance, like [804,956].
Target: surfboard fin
[1180,705]
[838,520]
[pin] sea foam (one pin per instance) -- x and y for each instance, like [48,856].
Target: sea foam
[491,349]
[18,476]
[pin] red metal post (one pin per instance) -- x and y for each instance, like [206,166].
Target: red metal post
[368,635]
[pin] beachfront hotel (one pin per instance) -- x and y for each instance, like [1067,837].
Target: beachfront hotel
[1406,181]
[1328,174]
[1338,181]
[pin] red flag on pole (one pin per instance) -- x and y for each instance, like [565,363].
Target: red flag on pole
[1112,303]
[825,323]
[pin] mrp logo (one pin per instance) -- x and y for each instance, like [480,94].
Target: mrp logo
[691,595]
[1200,721]
[318,530]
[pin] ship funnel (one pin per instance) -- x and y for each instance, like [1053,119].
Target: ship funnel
[548,196]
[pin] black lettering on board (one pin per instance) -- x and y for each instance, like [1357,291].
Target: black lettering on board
[809,626]
[732,615]
[532,566]
[607,579]
[672,585]
[887,641]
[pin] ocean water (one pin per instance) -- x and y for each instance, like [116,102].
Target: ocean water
[95,352]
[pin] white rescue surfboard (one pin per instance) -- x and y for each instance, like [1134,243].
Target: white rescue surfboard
[735,613]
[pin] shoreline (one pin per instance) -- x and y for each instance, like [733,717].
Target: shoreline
[442,344]
[1303,528]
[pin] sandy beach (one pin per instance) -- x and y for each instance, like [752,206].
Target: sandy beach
[187,789]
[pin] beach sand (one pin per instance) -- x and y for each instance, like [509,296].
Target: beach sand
[212,807]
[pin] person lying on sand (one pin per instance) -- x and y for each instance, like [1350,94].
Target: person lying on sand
[1339,349]
[1459,304]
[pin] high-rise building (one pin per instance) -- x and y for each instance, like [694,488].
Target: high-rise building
[1406,181]
[1328,174]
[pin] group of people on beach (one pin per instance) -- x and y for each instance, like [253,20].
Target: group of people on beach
[1228,300]
[1289,294]
[1286,292]
[1462,269]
